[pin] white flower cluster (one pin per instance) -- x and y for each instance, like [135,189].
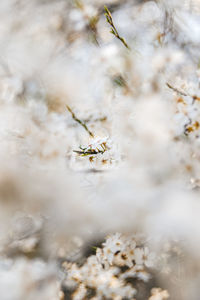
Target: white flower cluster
[158,294]
[103,272]
[101,154]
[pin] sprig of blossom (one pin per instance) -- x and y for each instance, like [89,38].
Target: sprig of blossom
[103,271]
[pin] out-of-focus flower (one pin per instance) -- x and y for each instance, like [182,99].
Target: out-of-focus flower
[159,294]
[144,256]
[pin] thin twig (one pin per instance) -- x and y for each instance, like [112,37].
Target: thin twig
[88,152]
[100,119]
[113,28]
[79,121]
[176,90]
[194,97]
